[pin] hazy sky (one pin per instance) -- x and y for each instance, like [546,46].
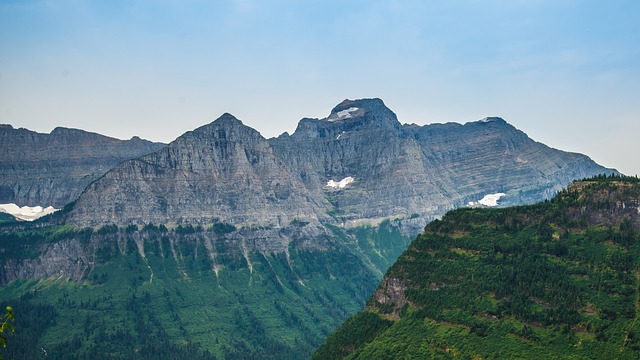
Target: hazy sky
[566,72]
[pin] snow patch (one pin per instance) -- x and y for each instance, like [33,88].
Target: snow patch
[340,184]
[339,135]
[27,213]
[347,113]
[344,114]
[491,199]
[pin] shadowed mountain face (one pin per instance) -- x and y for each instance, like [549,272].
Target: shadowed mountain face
[228,172]
[53,169]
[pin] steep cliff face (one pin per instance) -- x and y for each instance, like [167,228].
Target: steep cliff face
[357,166]
[72,254]
[423,170]
[607,203]
[362,140]
[491,156]
[53,169]
[221,172]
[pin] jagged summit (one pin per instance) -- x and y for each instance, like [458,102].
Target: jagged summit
[65,131]
[226,126]
[374,110]
[492,119]
[222,171]
[227,118]
[226,171]
[361,106]
[350,115]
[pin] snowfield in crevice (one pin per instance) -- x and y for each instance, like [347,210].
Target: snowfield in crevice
[488,200]
[27,213]
[340,184]
[344,114]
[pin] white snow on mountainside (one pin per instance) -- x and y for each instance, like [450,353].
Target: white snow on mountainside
[340,184]
[344,114]
[491,199]
[27,213]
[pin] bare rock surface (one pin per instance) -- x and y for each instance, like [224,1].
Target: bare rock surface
[53,169]
[357,166]
[221,172]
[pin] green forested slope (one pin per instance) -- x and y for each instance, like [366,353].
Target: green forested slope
[174,302]
[558,279]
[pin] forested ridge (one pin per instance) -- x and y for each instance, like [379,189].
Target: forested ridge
[559,279]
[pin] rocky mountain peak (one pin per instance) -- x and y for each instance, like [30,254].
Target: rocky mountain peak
[226,171]
[350,115]
[227,119]
[373,111]
[492,119]
[368,105]
[226,127]
[61,130]
[223,171]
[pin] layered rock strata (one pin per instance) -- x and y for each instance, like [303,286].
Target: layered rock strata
[53,169]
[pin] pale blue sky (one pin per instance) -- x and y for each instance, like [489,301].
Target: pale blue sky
[566,72]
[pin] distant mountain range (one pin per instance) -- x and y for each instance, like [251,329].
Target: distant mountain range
[227,172]
[224,243]
[53,169]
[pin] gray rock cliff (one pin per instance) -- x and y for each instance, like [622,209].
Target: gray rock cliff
[53,169]
[221,172]
[357,166]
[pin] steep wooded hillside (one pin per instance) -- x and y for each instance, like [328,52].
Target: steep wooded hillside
[558,279]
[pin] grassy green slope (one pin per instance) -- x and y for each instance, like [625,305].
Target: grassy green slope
[554,280]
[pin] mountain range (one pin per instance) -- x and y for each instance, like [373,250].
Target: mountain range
[231,245]
[53,169]
[227,172]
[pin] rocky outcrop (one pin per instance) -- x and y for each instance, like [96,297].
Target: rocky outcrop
[357,166]
[74,255]
[53,169]
[606,203]
[68,259]
[390,293]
